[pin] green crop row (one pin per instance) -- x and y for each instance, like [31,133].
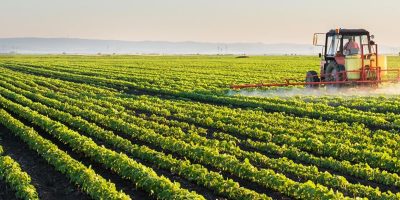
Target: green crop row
[360,171]
[142,176]
[93,184]
[195,173]
[177,133]
[221,161]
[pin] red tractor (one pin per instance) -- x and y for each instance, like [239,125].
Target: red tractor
[349,58]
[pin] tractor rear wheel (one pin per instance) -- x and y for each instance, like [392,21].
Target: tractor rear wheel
[312,77]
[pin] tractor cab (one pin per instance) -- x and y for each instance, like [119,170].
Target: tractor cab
[346,42]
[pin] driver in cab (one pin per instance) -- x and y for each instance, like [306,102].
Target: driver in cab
[351,47]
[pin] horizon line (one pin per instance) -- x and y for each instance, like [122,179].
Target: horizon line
[168,41]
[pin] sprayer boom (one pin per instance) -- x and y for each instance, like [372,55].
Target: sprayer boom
[374,79]
[372,82]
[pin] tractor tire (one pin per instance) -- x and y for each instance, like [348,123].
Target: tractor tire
[312,77]
[334,73]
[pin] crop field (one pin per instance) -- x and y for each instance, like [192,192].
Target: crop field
[169,127]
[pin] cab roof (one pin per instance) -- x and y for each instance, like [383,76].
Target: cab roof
[348,32]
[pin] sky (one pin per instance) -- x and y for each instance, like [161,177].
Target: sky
[266,21]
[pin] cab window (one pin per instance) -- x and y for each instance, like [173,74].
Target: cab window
[333,45]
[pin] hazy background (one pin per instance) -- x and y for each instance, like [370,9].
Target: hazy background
[219,22]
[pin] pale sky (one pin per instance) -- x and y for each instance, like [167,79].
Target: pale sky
[280,21]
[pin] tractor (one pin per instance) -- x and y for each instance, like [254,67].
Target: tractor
[349,58]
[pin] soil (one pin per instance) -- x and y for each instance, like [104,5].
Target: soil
[6,192]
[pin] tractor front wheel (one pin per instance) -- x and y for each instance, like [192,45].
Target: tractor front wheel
[312,77]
